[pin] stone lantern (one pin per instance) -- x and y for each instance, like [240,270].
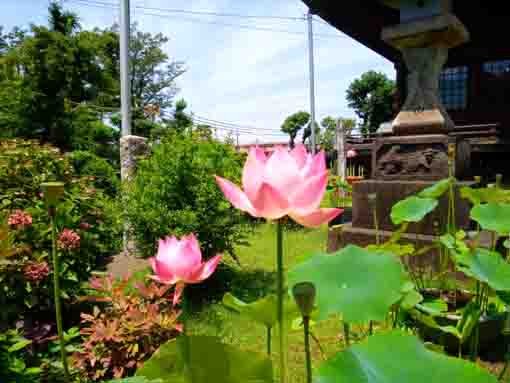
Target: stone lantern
[419,146]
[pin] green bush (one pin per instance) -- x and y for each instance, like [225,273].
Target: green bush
[88,226]
[88,164]
[175,193]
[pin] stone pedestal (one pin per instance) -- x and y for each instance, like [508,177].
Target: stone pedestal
[388,193]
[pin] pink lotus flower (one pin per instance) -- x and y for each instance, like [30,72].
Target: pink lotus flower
[351,153]
[179,262]
[288,183]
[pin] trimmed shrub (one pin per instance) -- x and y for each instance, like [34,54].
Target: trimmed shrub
[175,193]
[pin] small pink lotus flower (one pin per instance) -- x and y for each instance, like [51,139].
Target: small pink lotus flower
[288,183]
[19,218]
[179,262]
[68,240]
[351,153]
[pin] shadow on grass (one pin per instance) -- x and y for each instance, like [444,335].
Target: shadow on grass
[247,285]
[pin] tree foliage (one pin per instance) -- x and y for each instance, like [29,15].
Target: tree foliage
[328,134]
[371,98]
[60,84]
[294,123]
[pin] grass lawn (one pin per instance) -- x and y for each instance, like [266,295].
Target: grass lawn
[260,256]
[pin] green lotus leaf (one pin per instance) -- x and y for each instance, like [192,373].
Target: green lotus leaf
[397,357]
[485,195]
[412,209]
[264,310]
[493,216]
[204,359]
[487,267]
[411,299]
[358,284]
[437,190]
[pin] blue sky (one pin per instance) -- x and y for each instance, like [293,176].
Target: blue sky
[243,76]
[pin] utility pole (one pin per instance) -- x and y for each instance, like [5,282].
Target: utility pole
[340,149]
[125,83]
[312,76]
[237,139]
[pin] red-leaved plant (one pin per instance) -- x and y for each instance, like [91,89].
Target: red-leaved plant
[134,321]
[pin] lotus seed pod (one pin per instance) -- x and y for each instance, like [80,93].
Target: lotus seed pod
[52,192]
[304,295]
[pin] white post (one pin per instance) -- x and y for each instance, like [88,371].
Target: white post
[340,147]
[125,82]
[312,78]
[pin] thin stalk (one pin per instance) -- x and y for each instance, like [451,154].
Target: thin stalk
[306,326]
[316,340]
[281,296]
[376,225]
[268,340]
[56,289]
[370,327]
[347,334]
[395,319]
[503,371]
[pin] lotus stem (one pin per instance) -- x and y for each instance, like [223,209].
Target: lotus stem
[268,336]
[56,286]
[281,296]
[306,326]
[347,334]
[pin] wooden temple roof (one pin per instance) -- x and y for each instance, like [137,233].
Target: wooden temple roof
[363,20]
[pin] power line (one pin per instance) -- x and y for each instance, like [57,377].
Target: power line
[203,13]
[107,5]
[234,125]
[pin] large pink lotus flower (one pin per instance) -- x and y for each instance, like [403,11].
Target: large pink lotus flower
[179,262]
[288,183]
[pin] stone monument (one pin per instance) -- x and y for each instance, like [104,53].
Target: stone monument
[420,151]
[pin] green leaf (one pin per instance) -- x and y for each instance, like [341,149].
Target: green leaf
[485,195]
[354,282]
[397,357]
[263,311]
[135,379]
[429,321]
[412,209]
[434,307]
[469,320]
[33,371]
[410,300]
[487,267]
[204,359]
[493,216]
[19,345]
[437,190]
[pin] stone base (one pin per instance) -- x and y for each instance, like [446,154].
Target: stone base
[390,192]
[423,157]
[341,236]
